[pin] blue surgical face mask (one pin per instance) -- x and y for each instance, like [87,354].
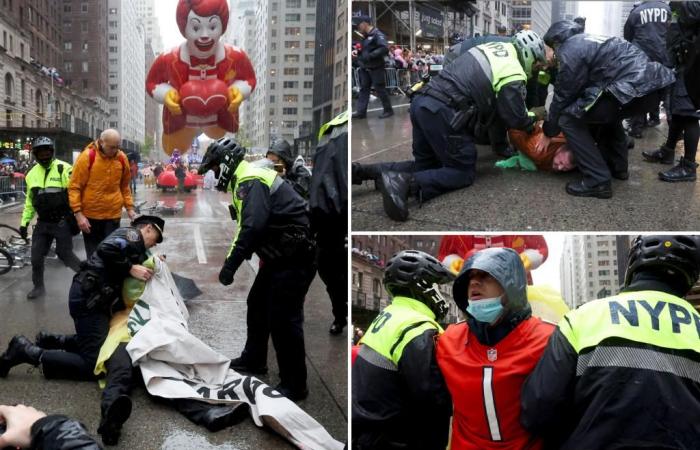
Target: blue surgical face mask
[486,310]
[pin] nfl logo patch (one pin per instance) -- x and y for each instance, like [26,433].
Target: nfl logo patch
[492,354]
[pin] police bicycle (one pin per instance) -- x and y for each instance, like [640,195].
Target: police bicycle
[15,251]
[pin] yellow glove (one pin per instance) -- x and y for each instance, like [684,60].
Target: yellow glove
[526,261]
[235,99]
[172,102]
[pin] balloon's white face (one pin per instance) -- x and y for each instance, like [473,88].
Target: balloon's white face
[202,33]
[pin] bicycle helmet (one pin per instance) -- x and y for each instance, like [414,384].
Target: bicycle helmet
[223,156]
[416,274]
[673,255]
[530,49]
[43,143]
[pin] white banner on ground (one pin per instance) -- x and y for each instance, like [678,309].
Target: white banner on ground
[175,364]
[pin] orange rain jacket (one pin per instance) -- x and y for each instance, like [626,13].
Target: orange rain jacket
[100,189]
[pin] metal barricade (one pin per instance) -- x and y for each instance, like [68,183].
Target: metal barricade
[12,189]
[392,80]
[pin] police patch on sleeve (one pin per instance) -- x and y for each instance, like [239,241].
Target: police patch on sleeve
[242,191]
[133,235]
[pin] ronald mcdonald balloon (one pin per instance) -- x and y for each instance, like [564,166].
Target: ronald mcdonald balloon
[202,82]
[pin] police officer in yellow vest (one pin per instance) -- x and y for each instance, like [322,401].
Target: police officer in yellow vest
[623,372]
[47,196]
[399,398]
[485,84]
[271,221]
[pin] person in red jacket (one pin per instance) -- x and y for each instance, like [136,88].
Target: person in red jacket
[486,359]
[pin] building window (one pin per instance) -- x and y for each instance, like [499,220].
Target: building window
[309,58]
[293,17]
[310,44]
[290,98]
[292,31]
[293,3]
[68,66]
[86,67]
[290,85]
[308,97]
[308,84]
[311,3]
[85,46]
[83,7]
[112,10]
[308,70]
[291,71]
[292,44]
[67,8]
[273,59]
[68,46]
[272,99]
[291,58]
[311,17]
[9,86]
[289,111]
[84,27]
[310,31]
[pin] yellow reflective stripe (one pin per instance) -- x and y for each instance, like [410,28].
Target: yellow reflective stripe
[385,330]
[35,178]
[505,66]
[648,317]
[246,172]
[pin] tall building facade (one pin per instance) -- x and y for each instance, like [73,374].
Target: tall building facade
[146,13]
[127,77]
[331,62]
[537,15]
[283,56]
[41,22]
[592,266]
[491,15]
[370,253]
[35,100]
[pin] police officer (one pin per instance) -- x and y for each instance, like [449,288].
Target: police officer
[272,221]
[29,428]
[296,173]
[399,398]
[592,96]
[481,87]
[93,297]
[47,196]
[646,28]
[622,372]
[328,202]
[371,67]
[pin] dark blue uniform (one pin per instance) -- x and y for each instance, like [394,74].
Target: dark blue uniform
[371,72]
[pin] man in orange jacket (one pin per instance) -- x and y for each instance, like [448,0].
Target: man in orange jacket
[99,189]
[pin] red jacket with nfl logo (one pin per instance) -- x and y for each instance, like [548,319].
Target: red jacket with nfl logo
[485,383]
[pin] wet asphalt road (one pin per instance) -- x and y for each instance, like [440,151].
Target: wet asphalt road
[217,317]
[510,200]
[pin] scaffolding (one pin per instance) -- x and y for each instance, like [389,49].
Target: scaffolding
[398,19]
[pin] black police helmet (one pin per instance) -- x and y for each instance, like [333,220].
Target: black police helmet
[677,256]
[219,149]
[43,143]
[414,274]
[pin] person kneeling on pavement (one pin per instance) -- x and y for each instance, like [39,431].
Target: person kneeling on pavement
[94,297]
[592,96]
[485,84]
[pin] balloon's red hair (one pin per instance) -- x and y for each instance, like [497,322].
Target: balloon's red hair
[204,8]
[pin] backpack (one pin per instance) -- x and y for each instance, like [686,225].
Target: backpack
[93,155]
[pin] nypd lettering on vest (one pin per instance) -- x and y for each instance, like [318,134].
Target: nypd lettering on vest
[632,310]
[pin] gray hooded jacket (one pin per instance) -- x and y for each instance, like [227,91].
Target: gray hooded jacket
[505,266]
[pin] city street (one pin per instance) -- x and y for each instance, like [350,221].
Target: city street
[196,240]
[515,200]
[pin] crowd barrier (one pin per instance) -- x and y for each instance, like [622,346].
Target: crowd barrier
[396,79]
[12,189]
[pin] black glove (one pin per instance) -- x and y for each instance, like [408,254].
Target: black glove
[226,275]
[23,232]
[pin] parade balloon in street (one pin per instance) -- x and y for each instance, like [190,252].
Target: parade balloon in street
[203,81]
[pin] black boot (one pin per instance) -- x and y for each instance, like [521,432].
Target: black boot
[223,416]
[113,418]
[241,365]
[363,172]
[663,155]
[37,292]
[580,189]
[49,341]
[396,188]
[337,327]
[386,114]
[683,171]
[294,395]
[21,350]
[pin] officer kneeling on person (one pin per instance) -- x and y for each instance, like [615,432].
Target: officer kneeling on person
[94,296]
[47,196]
[483,85]
[271,221]
[624,371]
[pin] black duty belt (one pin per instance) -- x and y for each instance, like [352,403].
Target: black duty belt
[449,101]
